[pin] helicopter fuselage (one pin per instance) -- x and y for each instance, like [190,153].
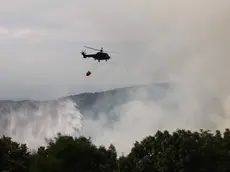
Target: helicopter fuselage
[98,56]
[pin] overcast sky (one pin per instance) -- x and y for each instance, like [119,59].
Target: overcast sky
[40,43]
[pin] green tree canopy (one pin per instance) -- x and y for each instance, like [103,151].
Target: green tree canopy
[14,157]
[179,151]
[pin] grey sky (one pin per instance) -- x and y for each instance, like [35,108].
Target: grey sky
[40,44]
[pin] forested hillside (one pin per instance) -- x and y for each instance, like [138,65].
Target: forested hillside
[92,104]
[182,150]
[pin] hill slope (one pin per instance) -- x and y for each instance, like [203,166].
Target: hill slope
[121,115]
[94,103]
[102,102]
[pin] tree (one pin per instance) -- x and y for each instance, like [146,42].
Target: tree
[180,151]
[66,153]
[14,157]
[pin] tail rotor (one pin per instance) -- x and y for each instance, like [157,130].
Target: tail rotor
[83,53]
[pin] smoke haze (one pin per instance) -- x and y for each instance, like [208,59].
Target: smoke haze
[181,41]
[185,43]
[32,123]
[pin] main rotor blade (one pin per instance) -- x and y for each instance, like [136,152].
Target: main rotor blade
[102,50]
[92,48]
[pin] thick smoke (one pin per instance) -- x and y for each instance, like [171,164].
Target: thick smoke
[191,40]
[187,45]
[32,123]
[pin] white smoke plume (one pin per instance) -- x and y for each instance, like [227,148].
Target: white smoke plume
[33,125]
[191,40]
[187,44]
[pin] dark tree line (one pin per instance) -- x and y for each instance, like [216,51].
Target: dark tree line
[180,151]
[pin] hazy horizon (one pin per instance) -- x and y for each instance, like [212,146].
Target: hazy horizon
[182,42]
[179,41]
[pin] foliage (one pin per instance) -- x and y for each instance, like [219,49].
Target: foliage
[180,151]
[14,157]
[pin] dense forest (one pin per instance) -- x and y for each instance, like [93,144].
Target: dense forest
[179,151]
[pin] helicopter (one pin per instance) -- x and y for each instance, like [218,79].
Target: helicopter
[100,55]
